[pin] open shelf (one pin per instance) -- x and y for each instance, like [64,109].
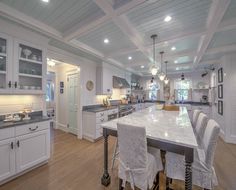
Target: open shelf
[31,60]
[28,75]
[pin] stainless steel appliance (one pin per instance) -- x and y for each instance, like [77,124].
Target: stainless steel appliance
[125,110]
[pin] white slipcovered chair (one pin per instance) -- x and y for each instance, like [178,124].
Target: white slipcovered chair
[195,117]
[200,127]
[203,172]
[136,165]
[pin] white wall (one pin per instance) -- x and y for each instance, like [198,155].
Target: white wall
[227,122]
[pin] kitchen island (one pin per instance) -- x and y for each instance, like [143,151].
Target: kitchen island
[168,130]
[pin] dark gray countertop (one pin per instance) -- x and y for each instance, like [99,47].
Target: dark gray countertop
[24,122]
[96,109]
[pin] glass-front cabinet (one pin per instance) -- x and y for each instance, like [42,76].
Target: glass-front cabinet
[5,63]
[30,69]
[22,67]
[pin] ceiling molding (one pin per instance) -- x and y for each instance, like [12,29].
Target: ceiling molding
[78,30]
[30,22]
[124,24]
[217,11]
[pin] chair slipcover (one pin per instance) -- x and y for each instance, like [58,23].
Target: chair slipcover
[203,172]
[136,165]
[195,117]
[200,127]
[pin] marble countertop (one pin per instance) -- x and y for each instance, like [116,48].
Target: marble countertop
[167,126]
[24,122]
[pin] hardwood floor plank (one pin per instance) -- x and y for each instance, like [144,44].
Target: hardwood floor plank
[78,165]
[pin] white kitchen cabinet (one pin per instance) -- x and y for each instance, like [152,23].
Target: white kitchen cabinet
[7,158]
[104,83]
[24,149]
[92,123]
[6,54]
[22,67]
[32,149]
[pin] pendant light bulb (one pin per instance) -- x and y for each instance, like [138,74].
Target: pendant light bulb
[162,76]
[154,70]
[166,81]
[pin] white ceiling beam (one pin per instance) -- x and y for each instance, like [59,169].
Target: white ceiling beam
[28,21]
[216,13]
[128,6]
[123,23]
[227,25]
[222,49]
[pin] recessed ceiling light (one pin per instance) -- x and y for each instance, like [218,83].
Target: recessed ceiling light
[176,61]
[106,41]
[168,18]
[45,1]
[173,48]
[142,66]
[129,58]
[177,68]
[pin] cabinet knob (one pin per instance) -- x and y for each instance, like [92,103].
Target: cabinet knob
[9,84]
[18,143]
[15,84]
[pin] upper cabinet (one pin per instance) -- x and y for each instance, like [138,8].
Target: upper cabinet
[5,63]
[103,81]
[22,67]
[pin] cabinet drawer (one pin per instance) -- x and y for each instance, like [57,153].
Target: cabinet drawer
[31,128]
[98,133]
[101,119]
[101,114]
[109,112]
[7,133]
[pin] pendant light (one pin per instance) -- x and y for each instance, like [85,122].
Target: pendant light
[166,80]
[162,74]
[154,68]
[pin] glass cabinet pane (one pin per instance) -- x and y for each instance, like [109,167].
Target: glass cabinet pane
[30,53]
[3,46]
[3,63]
[30,68]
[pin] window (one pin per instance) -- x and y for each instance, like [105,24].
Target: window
[50,91]
[183,90]
[153,89]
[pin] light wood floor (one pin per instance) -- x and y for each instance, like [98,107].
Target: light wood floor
[77,165]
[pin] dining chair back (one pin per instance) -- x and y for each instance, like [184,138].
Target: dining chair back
[195,117]
[136,165]
[210,138]
[200,127]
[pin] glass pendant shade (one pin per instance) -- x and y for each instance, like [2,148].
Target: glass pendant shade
[154,70]
[166,80]
[162,76]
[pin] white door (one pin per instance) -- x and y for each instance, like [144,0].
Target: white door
[72,103]
[7,158]
[32,149]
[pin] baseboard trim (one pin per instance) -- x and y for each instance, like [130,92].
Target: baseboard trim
[23,172]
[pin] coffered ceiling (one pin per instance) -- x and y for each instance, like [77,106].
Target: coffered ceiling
[199,33]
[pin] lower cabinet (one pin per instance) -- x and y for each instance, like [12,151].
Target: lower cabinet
[32,149]
[7,158]
[24,151]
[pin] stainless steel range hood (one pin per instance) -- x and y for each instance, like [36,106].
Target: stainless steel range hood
[120,82]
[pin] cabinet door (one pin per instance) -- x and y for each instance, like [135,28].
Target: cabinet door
[32,149]
[107,81]
[6,52]
[29,68]
[7,158]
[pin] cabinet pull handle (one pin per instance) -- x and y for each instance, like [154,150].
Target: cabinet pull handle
[9,84]
[18,143]
[15,84]
[34,128]
[12,145]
